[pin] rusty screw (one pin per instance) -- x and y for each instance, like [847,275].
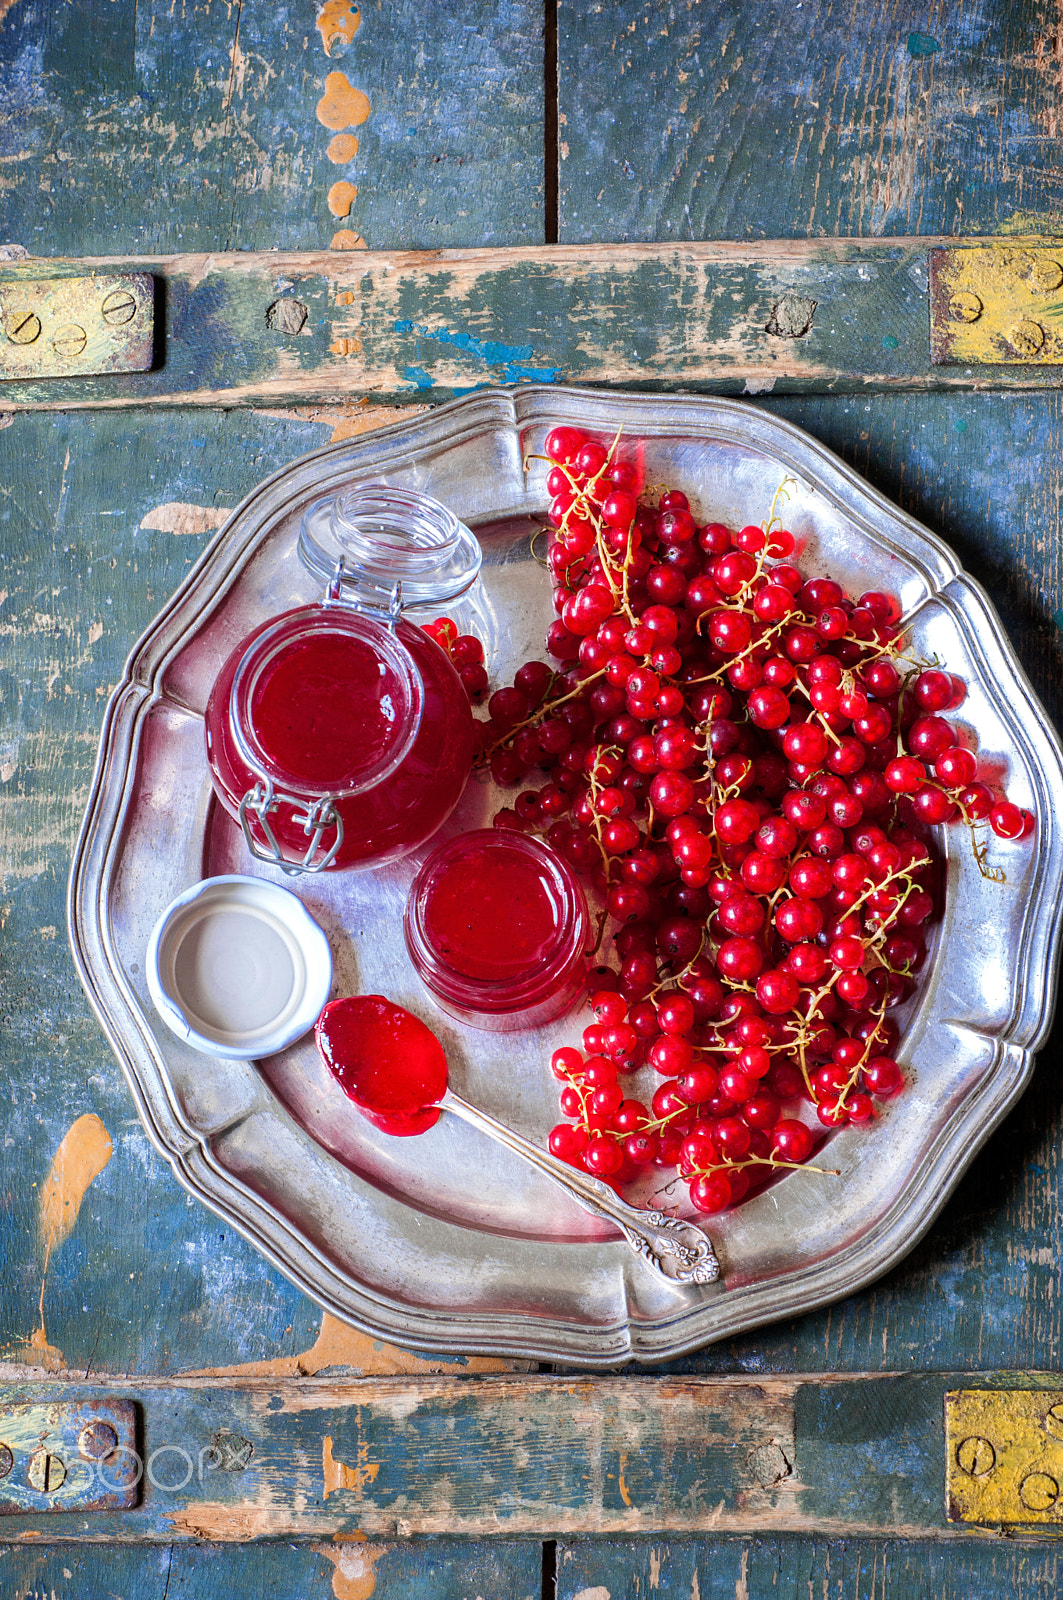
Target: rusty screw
[24,328]
[1027,338]
[47,1471]
[965,307]
[97,1440]
[119,307]
[976,1456]
[1038,1492]
[7,1460]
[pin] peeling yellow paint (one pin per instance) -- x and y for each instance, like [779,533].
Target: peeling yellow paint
[338,1475]
[354,1578]
[338,1345]
[346,347]
[341,198]
[182,518]
[347,239]
[82,1155]
[342,105]
[338,20]
[625,1493]
[344,147]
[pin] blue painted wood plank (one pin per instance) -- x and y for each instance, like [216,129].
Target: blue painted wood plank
[770,120]
[143,126]
[733,1569]
[414,1570]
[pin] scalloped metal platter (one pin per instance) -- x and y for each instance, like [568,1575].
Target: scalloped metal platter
[447,1243]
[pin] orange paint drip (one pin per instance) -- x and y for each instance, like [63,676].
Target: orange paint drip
[353,1578]
[347,239]
[338,21]
[84,1152]
[344,147]
[342,105]
[341,197]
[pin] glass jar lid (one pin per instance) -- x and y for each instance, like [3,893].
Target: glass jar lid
[377,536]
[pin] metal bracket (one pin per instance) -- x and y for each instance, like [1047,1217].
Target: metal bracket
[996,305]
[76,327]
[69,1455]
[1004,1456]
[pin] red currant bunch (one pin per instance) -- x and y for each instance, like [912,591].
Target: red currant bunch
[745,764]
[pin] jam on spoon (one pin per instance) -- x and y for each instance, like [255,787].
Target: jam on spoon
[393,1068]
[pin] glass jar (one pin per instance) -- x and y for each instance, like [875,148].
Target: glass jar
[339,734]
[497,928]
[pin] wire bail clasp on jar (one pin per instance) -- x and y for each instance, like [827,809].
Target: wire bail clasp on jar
[315,818]
[382,604]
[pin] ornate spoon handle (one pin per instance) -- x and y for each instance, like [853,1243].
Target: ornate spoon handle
[678,1250]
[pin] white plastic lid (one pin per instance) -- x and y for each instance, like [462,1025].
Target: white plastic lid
[237,967]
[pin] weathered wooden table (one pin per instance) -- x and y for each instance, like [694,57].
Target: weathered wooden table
[249,156]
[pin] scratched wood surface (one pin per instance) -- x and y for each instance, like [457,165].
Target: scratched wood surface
[784,316]
[212,125]
[517,1455]
[689,121]
[427,1569]
[754,1569]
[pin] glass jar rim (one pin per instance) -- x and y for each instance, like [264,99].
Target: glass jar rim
[496,995]
[291,629]
[379,535]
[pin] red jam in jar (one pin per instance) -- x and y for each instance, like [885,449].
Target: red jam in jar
[497,927]
[337,739]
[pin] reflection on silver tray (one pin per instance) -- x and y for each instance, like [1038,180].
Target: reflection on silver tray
[447,1242]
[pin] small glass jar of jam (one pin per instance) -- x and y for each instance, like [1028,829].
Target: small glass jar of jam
[497,929]
[339,734]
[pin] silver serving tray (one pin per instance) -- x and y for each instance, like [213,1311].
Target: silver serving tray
[447,1243]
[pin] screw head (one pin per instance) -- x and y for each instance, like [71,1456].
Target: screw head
[976,1456]
[119,307]
[965,307]
[69,340]
[1038,1492]
[47,1472]
[1046,274]
[1026,338]
[24,327]
[97,1440]
[7,1460]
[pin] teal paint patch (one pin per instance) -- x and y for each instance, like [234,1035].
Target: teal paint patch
[513,374]
[419,378]
[960,425]
[921,44]
[1057,618]
[484,349]
[871,1451]
[889,342]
